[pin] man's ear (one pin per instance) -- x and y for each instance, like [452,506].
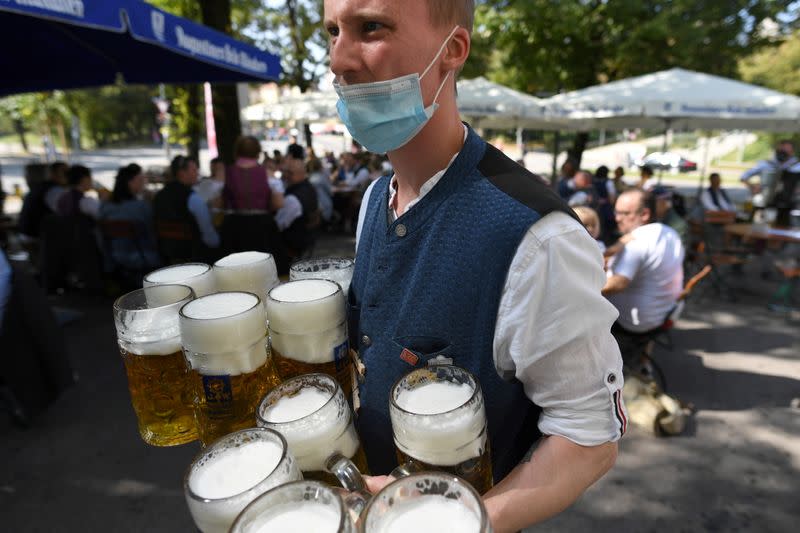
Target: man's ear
[647,215]
[457,50]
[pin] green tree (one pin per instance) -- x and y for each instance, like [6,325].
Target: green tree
[778,68]
[548,45]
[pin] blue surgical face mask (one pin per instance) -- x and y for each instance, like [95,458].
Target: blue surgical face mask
[383,116]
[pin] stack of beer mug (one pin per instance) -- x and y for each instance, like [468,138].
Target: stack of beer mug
[204,362]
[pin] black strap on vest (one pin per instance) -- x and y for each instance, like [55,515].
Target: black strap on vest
[520,184]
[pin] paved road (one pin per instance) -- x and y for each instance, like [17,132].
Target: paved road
[84,468]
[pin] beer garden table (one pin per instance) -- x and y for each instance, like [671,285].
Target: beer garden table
[764,233]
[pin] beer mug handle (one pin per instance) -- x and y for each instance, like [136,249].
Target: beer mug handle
[357,496]
[346,472]
[405,469]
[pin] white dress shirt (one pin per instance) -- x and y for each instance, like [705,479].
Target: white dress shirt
[553,328]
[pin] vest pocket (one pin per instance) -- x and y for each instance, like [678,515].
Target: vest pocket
[423,346]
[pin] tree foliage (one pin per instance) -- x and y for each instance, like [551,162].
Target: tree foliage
[546,46]
[292,29]
[777,68]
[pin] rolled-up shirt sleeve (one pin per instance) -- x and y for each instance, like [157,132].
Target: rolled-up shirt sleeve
[554,333]
[202,215]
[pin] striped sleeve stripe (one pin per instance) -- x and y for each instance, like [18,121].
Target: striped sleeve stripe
[619,412]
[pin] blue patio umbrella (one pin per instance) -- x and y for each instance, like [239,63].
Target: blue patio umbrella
[63,44]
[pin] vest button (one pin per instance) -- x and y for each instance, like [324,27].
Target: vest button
[400,230]
[365,340]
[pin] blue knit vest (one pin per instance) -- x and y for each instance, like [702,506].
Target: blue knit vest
[431,282]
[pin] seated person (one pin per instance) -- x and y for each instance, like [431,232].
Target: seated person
[566,181]
[295,218]
[210,188]
[323,187]
[646,182]
[125,204]
[715,198]
[645,278]
[667,215]
[249,201]
[591,222]
[583,190]
[178,203]
[74,201]
[42,199]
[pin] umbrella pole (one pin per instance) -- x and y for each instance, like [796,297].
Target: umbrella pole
[556,143]
[707,138]
[667,123]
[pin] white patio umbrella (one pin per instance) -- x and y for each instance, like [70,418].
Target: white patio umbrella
[675,98]
[308,107]
[491,105]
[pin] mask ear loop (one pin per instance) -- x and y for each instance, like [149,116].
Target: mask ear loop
[441,49]
[439,53]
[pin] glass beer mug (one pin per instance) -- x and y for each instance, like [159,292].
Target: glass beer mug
[439,423]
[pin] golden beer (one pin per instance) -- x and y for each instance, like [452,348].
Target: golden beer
[225,345]
[308,330]
[149,340]
[224,404]
[162,397]
[340,370]
[312,414]
[439,423]
[477,471]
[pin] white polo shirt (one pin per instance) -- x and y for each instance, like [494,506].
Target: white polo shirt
[653,261]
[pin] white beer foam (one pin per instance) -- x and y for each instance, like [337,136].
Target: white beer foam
[224,333]
[429,514]
[342,275]
[435,397]
[305,402]
[314,434]
[198,276]
[313,348]
[246,271]
[236,470]
[297,517]
[306,306]
[445,438]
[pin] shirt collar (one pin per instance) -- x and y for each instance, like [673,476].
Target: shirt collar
[426,187]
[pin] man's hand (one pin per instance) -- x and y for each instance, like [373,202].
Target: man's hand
[376,483]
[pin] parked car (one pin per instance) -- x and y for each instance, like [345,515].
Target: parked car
[668,161]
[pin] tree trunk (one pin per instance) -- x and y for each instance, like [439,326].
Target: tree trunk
[217,14]
[307,132]
[194,124]
[575,154]
[19,126]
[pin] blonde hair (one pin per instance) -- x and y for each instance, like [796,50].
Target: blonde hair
[452,12]
[588,217]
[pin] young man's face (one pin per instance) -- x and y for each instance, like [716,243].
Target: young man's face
[377,40]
